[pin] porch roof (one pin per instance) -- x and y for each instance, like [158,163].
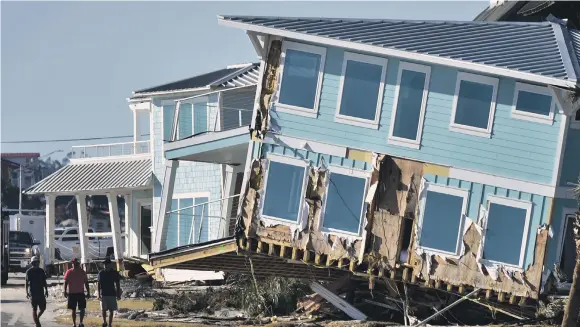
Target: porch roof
[96,176]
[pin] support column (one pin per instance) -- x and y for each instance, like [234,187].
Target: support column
[128,225]
[116,229]
[50,220]
[165,205]
[83,227]
[136,129]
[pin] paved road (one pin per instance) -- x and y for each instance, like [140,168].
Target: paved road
[16,309]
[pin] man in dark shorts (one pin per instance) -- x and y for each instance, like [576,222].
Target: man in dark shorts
[75,278]
[109,290]
[35,283]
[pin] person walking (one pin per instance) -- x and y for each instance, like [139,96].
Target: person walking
[35,283]
[74,279]
[109,290]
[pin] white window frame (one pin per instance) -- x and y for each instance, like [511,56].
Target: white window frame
[515,203]
[450,191]
[287,161]
[343,119]
[416,143]
[524,115]
[296,110]
[193,196]
[193,102]
[351,172]
[466,129]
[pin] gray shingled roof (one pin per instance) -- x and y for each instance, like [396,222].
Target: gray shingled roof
[522,47]
[211,79]
[93,176]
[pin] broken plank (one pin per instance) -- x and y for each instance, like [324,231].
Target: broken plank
[338,302]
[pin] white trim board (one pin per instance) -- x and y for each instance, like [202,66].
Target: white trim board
[503,182]
[406,55]
[292,109]
[356,121]
[514,203]
[308,145]
[524,115]
[559,158]
[471,130]
[396,140]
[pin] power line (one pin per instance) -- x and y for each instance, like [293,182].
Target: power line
[71,140]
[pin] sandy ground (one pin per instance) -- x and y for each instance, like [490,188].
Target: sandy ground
[16,309]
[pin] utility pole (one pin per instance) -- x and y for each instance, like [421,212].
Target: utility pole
[20,190]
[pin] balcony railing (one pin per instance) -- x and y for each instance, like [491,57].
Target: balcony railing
[109,150]
[195,120]
[200,223]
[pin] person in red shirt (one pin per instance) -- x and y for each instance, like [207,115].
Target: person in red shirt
[74,279]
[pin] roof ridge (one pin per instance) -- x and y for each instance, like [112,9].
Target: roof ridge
[337,19]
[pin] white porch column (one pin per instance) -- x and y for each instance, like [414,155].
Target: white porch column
[128,225]
[83,227]
[49,246]
[165,205]
[136,129]
[115,228]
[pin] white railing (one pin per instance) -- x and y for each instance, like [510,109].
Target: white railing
[110,150]
[211,121]
[201,222]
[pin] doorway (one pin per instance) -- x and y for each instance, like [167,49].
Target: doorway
[144,229]
[568,249]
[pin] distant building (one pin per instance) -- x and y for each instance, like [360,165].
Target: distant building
[30,168]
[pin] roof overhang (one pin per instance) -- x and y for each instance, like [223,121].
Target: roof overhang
[97,177]
[475,67]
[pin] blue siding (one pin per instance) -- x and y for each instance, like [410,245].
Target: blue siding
[517,149]
[478,195]
[571,163]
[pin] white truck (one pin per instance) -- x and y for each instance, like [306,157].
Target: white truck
[68,246]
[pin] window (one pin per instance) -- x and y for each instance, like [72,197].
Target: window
[183,225]
[360,93]
[284,189]
[474,104]
[345,201]
[71,235]
[506,231]
[568,247]
[301,72]
[441,219]
[533,103]
[409,105]
[193,118]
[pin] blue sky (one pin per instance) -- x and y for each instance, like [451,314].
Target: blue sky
[68,67]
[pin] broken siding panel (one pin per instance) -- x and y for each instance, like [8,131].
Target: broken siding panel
[570,169]
[518,149]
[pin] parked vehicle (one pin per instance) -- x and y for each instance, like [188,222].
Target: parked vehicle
[22,246]
[67,244]
[5,248]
